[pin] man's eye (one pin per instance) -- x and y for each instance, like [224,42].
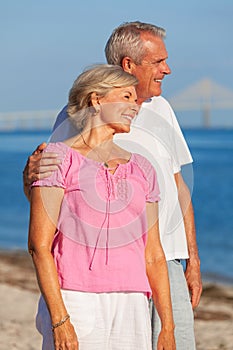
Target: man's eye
[127,96]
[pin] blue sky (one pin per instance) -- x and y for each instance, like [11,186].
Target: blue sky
[46,44]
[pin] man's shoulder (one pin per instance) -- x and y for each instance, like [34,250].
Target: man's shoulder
[158,104]
[61,117]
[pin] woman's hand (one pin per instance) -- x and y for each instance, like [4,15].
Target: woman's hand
[65,337]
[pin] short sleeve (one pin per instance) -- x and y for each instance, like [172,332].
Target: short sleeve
[153,186]
[58,177]
[181,153]
[150,175]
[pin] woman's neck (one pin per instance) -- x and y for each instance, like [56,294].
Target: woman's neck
[97,144]
[101,137]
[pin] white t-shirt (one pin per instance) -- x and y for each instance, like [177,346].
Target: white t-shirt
[155,134]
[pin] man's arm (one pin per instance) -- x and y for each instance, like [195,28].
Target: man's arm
[38,167]
[192,273]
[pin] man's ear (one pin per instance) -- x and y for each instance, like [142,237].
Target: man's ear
[128,64]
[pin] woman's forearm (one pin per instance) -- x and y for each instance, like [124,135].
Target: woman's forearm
[157,273]
[48,283]
[45,207]
[158,278]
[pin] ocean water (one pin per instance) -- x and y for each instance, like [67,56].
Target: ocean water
[212,195]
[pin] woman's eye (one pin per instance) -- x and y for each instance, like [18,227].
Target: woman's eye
[127,96]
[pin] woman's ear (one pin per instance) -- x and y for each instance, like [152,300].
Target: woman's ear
[95,103]
[94,99]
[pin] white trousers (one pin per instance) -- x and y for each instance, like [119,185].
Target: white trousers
[102,321]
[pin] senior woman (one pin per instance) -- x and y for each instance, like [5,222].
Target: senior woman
[93,232]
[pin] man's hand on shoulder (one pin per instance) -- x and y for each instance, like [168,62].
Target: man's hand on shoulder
[38,167]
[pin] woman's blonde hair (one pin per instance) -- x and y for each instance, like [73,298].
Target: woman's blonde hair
[100,79]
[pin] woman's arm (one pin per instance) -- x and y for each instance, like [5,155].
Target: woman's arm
[156,268]
[45,207]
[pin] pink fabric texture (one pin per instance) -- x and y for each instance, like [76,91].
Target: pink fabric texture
[101,233]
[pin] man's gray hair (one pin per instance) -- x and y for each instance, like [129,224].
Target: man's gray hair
[126,41]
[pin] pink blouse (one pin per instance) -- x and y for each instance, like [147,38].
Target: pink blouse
[101,233]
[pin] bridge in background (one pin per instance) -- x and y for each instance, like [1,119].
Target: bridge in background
[202,104]
[28,120]
[208,99]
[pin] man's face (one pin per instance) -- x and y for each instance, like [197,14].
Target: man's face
[152,69]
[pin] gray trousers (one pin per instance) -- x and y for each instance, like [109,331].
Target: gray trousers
[182,310]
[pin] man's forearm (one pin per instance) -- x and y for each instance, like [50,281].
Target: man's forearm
[188,216]
[192,273]
[189,224]
[26,185]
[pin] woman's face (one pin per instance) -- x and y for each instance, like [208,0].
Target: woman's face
[118,108]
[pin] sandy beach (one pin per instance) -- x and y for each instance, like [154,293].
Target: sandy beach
[19,295]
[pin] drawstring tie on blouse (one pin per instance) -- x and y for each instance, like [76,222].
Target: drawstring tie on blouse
[106,219]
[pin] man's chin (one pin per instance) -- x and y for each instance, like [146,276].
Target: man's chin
[157,92]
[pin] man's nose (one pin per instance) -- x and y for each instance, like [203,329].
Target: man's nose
[167,69]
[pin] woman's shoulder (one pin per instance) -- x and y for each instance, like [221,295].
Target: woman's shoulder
[56,147]
[143,164]
[61,148]
[140,160]
[61,151]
